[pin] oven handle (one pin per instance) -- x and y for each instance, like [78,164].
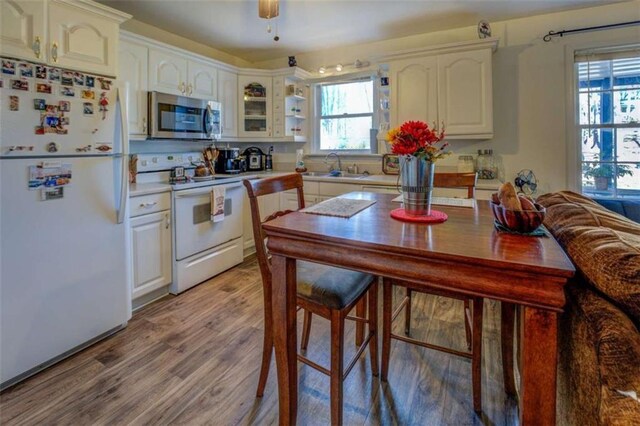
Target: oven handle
[204,190]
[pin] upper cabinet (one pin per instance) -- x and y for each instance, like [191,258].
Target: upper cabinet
[450,85]
[133,65]
[228,97]
[202,80]
[76,35]
[415,90]
[167,72]
[465,101]
[22,34]
[254,106]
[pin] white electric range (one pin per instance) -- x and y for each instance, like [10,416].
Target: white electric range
[202,248]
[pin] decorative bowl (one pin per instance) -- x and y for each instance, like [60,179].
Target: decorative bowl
[523,221]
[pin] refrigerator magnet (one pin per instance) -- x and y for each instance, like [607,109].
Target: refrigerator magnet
[105,147]
[20,85]
[52,147]
[14,103]
[78,79]
[67,91]
[8,67]
[26,70]
[88,94]
[43,88]
[39,104]
[41,72]
[64,106]
[105,84]
[89,81]
[67,78]
[54,74]
[87,108]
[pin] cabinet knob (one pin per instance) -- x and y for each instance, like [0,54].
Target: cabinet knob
[54,52]
[148,205]
[36,47]
[181,87]
[189,89]
[167,221]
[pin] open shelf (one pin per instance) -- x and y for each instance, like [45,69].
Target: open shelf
[296,97]
[299,117]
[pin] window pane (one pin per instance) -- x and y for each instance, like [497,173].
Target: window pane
[629,178]
[597,144]
[347,98]
[594,75]
[590,108]
[626,73]
[626,106]
[345,133]
[597,178]
[628,144]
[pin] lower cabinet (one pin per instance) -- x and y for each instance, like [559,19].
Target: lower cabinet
[268,204]
[150,250]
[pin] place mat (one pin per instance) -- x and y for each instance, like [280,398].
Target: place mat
[436,216]
[338,207]
[447,201]
[540,231]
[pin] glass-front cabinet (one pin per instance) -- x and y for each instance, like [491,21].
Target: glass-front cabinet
[255,106]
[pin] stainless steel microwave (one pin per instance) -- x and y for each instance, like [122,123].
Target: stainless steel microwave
[181,117]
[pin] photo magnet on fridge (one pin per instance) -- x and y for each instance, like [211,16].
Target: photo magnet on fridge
[14,103]
[39,104]
[54,74]
[88,94]
[64,106]
[41,72]
[67,91]
[78,79]
[43,88]
[67,78]
[89,81]
[20,85]
[87,108]
[8,67]
[26,70]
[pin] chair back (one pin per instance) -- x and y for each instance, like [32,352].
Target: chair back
[457,180]
[261,187]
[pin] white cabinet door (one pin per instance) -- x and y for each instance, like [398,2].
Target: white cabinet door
[151,252]
[268,204]
[167,72]
[22,33]
[255,105]
[228,97]
[202,80]
[82,40]
[414,90]
[133,64]
[465,93]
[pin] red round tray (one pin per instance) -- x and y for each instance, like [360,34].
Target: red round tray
[436,216]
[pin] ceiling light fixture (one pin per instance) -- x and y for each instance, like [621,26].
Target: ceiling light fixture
[269,9]
[344,67]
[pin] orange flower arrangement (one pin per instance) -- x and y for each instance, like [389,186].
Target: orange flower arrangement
[417,139]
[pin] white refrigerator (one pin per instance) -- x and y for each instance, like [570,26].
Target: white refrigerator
[64,264]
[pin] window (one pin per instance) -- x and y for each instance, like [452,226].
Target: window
[345,116]
[608,100]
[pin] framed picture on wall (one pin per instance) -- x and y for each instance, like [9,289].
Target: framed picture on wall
[390,164]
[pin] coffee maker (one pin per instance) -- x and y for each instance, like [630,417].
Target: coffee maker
[229,161]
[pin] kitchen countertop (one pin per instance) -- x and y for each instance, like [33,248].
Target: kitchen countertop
[136,189]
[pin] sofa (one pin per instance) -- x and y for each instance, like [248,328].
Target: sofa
[599,337]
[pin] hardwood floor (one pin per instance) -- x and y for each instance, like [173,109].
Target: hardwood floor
[194,359]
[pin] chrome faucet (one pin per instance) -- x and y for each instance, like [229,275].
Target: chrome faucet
[326,161]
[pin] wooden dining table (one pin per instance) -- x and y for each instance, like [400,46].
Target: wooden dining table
[465,254]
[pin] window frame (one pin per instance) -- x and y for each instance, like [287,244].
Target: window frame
[575,158]
[317,116]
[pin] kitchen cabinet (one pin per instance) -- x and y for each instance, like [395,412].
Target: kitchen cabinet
[228,97]
[167,72]
[202,81]
[150,243]
[254,106]
[414,95]
[66,34]
[22,34]
[465,101]
[133,65]
[449,85]
[268,204]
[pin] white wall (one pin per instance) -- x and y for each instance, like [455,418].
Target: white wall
[529,80]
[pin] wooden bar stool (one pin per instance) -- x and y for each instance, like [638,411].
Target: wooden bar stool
[322,290]
[472,315]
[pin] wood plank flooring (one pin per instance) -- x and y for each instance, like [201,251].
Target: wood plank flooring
[194,359]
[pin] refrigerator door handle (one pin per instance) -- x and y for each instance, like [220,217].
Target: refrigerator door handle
[124,130]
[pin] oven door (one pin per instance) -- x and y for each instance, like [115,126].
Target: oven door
[179,117]
[195,232]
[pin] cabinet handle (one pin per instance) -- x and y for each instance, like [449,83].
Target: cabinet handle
[54,52]
[36,47]
[144,125]
[189,89]
[148,205]
[181,87]
[167,221]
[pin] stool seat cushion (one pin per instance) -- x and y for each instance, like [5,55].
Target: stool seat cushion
[333,287]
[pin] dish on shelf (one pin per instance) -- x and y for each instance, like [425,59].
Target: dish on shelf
[202,178]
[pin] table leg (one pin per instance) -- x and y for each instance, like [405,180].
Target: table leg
[507,319]
[285,336]
[539,351]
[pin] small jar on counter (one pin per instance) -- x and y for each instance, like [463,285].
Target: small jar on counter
[486,165]
[466,164]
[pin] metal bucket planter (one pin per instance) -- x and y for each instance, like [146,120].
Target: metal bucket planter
[416,179]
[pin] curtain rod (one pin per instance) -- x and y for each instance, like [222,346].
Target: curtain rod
[552,34]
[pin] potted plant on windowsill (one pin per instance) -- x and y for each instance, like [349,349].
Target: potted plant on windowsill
[603,172]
